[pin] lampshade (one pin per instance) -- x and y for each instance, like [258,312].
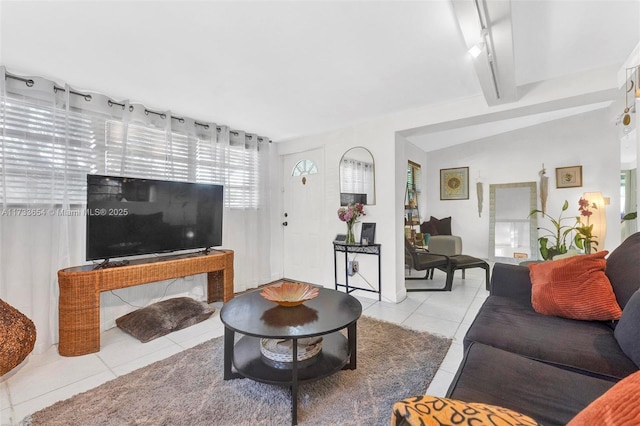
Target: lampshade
[598,217]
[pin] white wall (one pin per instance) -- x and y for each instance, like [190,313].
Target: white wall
[589,140]
[390,151]
[335,145]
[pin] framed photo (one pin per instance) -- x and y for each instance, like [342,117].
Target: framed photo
[454,184]
[368,233]
[568,177]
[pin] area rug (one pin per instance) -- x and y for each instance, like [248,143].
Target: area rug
[188,389]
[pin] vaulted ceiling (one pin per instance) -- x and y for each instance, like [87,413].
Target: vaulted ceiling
[285,69]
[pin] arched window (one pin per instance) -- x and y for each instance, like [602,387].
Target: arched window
[304,167]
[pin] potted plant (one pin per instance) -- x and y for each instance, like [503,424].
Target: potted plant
[554,242]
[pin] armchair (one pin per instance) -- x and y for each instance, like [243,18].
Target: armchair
[449,245]
[441,241]
[422,260]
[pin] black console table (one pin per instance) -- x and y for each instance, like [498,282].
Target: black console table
[340,247]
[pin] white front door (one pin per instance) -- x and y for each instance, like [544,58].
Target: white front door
[303,211]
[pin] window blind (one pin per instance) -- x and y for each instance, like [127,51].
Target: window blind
[45,155]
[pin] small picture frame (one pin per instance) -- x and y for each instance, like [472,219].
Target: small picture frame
[454,184]
[368,233]
[569,177]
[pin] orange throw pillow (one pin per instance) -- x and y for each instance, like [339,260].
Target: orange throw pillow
[575,287]
[617,406]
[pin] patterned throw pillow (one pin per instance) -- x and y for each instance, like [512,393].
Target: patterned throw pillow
[576,288]
[428,410]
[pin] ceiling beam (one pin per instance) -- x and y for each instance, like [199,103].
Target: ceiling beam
[490,22]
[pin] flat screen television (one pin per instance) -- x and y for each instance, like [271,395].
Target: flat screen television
[133,216]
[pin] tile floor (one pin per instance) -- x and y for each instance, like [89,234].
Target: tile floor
[46,378]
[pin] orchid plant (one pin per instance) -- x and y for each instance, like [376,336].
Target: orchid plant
[584,238]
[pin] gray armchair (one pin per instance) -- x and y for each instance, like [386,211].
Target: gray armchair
[441,240]
[448,245]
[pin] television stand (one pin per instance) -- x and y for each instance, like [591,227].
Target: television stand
[111,264]
[80,288]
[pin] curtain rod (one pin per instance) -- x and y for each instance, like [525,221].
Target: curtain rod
[87,97]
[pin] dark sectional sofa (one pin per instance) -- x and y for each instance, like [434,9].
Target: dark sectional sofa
[547,367]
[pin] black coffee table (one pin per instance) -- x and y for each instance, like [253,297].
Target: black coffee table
[255,317]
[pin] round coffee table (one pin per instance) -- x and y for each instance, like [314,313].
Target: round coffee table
[255,318]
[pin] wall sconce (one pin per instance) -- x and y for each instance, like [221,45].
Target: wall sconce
[598,217]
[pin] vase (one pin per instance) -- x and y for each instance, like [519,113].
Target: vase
[587,246]
[351,239]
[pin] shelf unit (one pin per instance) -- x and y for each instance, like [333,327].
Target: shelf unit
[411,214]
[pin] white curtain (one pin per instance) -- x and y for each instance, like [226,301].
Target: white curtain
[357,177]
[251,255]
[52,136]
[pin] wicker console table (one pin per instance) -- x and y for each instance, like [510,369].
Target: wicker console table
[80,287]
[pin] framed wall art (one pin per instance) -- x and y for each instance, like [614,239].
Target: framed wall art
[569,177]
[368,233]
[454,184]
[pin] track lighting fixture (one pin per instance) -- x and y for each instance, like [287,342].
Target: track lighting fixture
[476,49]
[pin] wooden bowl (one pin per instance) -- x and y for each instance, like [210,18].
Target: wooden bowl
[290,294]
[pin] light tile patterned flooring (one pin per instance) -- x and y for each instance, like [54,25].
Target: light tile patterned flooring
[48,377]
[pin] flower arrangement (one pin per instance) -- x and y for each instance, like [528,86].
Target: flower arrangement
[584,234]
[350,215]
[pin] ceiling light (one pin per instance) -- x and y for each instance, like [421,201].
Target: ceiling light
[476,49]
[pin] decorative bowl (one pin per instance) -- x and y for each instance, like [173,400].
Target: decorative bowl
[290,294]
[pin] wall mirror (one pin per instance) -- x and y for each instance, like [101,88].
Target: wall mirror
[357,177]
[513,235]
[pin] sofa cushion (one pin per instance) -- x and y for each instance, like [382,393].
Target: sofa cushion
[587,346]
[428,227]
[162,318]
[551,395]
[443,226]
[627,332]
[617,406]
[427,410]
[623,269]
[576,287]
